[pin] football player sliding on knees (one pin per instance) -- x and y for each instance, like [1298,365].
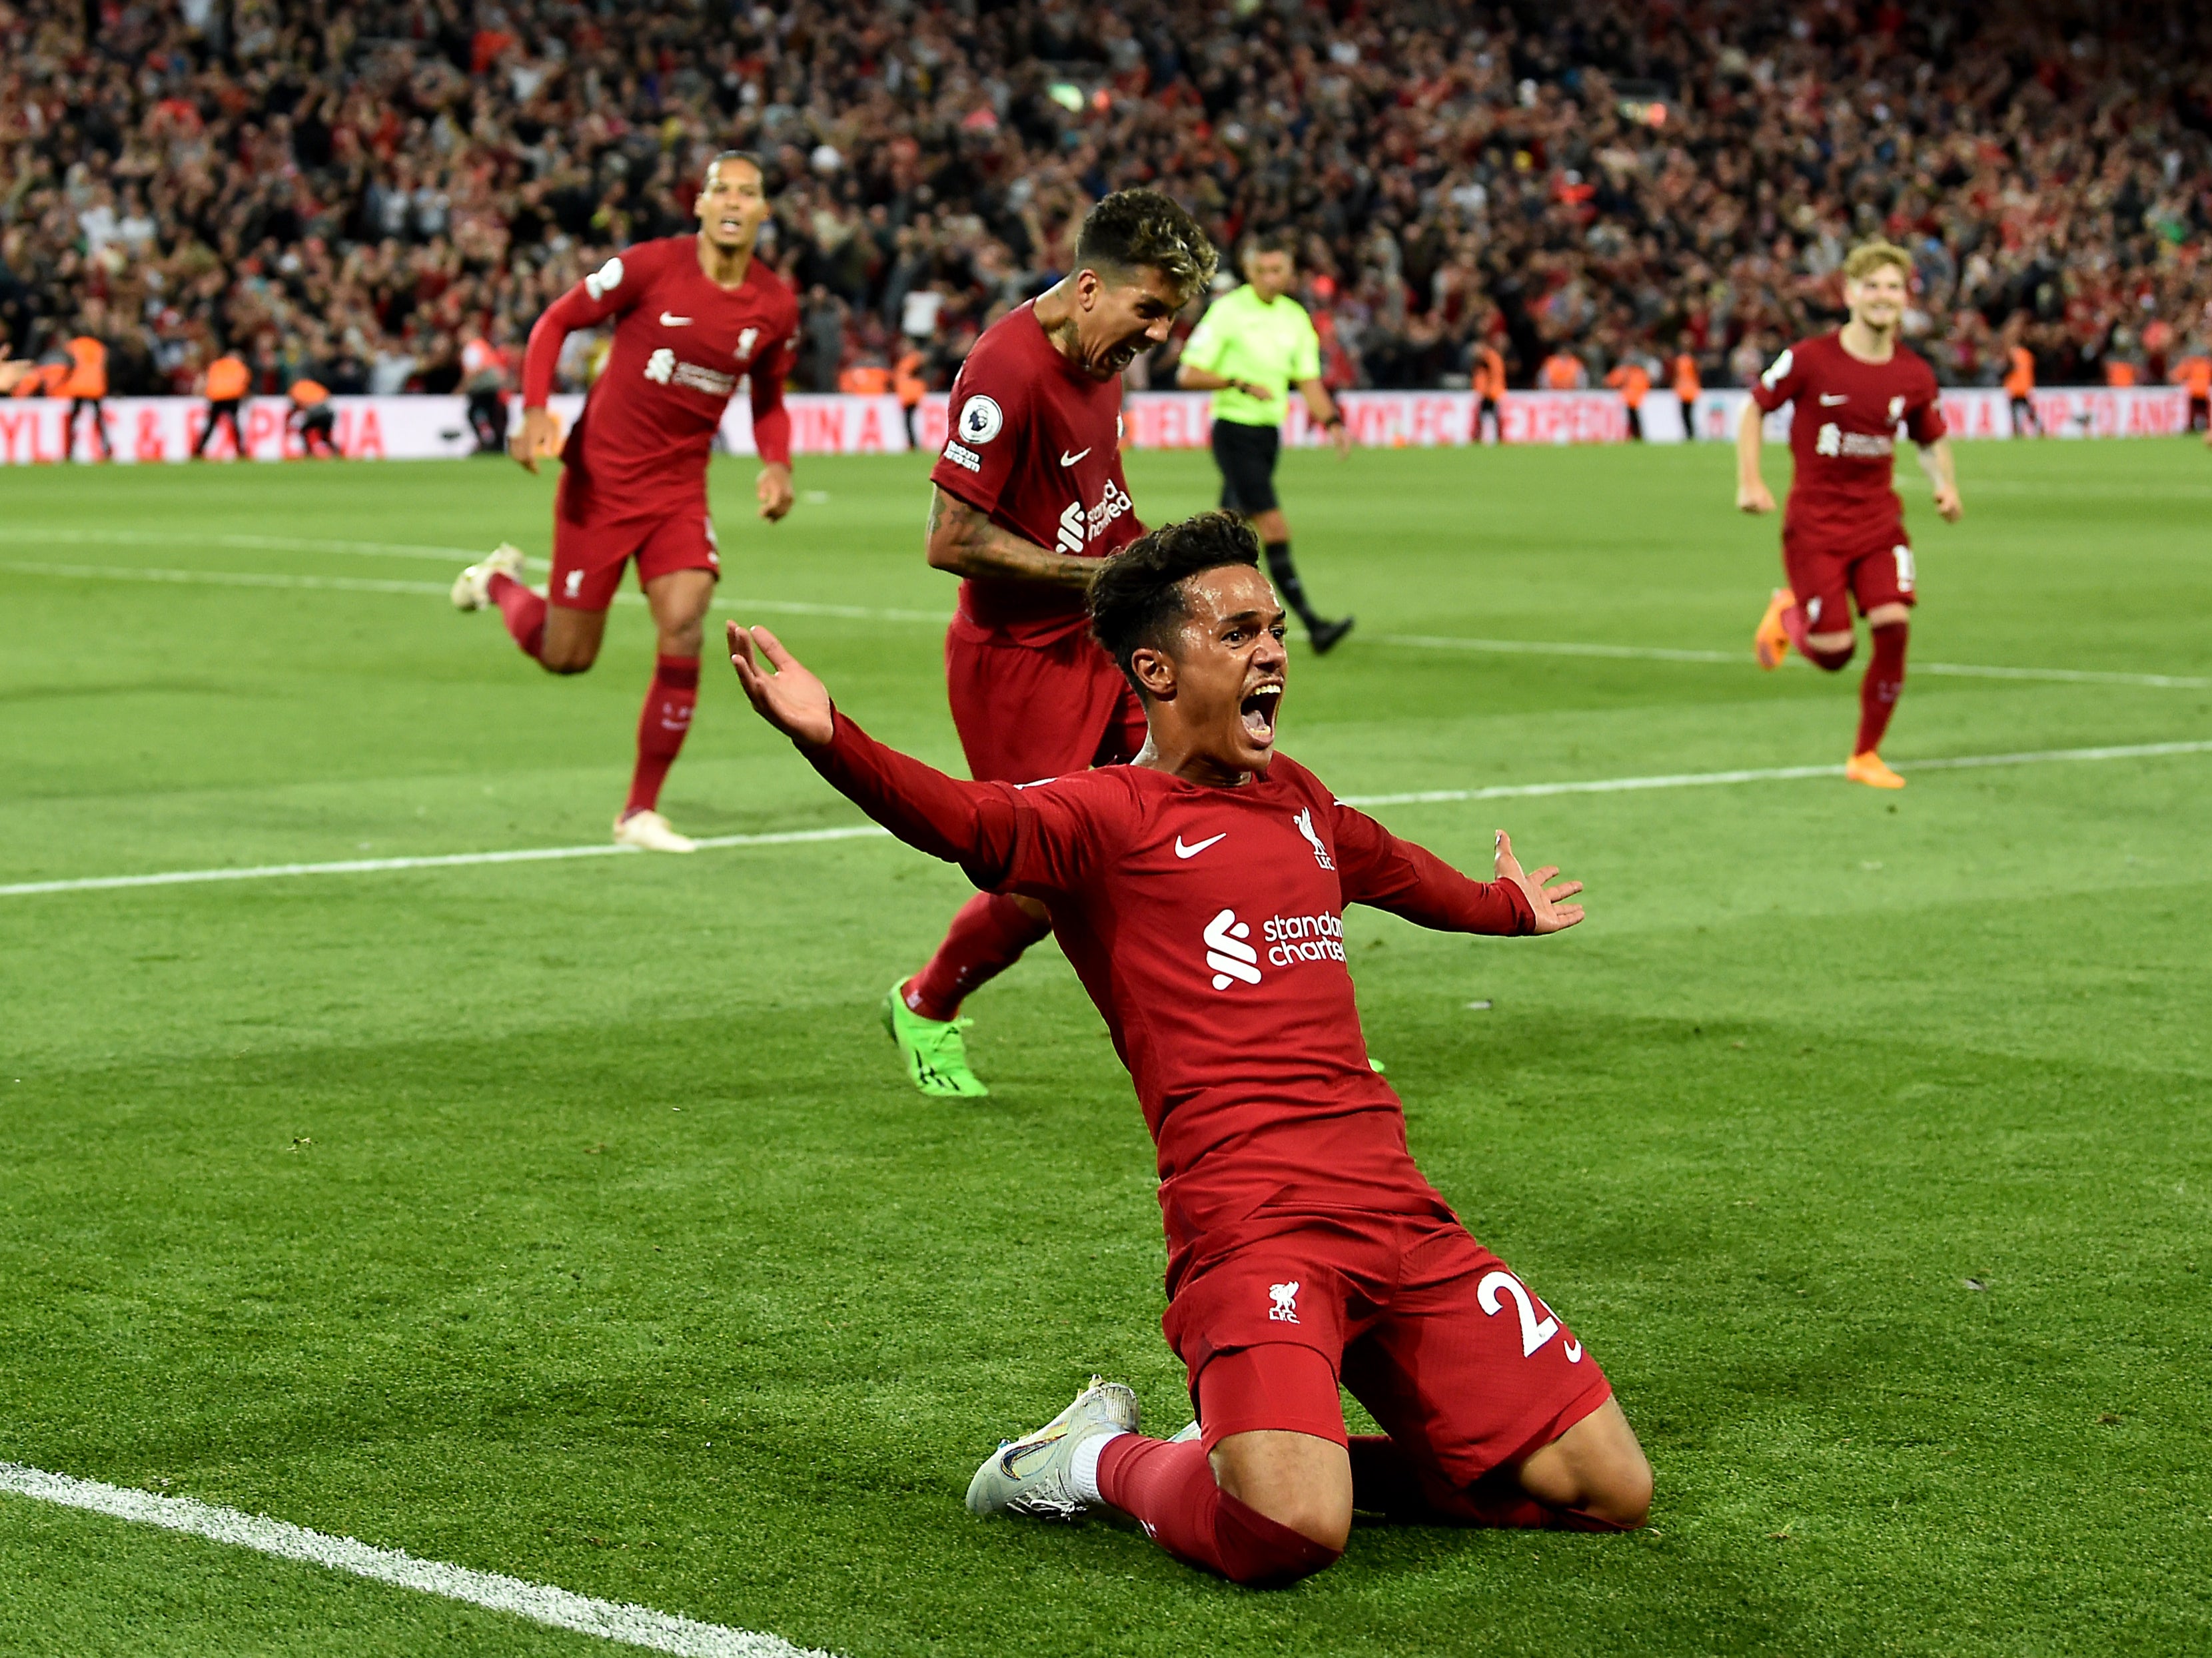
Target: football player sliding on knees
[1842,536]
[1200,893]
[692,316]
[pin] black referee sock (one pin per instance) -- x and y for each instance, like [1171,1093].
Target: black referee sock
[1286,575]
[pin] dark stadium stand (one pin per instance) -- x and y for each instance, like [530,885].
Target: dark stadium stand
[352,192]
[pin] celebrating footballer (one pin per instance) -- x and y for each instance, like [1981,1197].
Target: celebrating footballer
[692,315]
[1028,496]
[1200,892]
[1842,536]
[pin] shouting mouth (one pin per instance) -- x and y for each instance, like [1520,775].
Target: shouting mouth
[1257,712]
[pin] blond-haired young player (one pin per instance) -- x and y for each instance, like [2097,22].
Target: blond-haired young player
[1842,536]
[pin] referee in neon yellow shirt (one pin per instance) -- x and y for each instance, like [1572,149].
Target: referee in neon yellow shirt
[1254,344]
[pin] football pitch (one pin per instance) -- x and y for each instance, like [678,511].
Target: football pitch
[569,1220]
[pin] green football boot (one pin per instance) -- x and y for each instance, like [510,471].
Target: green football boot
[1031,1475]
[935,1053]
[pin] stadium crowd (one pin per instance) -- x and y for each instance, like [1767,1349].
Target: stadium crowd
[358,191]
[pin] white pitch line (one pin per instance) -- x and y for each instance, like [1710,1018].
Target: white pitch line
[1662,653]
[869,831]
[444,860]
[1766,774]
[542,1603]
[934,618]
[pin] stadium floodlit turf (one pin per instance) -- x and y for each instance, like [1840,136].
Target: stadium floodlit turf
[571,1220]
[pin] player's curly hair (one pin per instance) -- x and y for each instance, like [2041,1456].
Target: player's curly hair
[1131,229]
[1868,257]
[1136,598]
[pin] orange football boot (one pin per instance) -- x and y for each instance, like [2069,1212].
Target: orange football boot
[1772,642]
[1868,769]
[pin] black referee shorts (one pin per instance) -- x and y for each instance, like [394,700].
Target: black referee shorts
[1246,456]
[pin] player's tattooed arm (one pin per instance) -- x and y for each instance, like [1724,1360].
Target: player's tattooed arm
[966,542]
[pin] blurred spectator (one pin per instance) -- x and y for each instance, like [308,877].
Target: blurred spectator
[357,191]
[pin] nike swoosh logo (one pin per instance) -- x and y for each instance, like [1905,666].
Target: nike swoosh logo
[1067,459]
[1829,402]
[1182,851]
[670,319]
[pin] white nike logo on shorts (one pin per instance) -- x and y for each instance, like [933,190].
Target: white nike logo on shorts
[670,319]
[1182,851]
[1067,459]
[1829,400]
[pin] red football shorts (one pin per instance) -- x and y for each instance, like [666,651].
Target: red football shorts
[1453,1355]
[589,558]
[1827,582]
[1025,713]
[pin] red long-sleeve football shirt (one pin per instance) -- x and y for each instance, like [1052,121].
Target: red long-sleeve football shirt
[681,344]
[1206,924]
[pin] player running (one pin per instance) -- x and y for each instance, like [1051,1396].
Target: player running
[692,315]
[1254,344]
[1028,496]
[1843,538]
[1200,893]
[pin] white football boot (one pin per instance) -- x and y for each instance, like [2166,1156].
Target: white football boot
[1193,1432]
[1031,1475]
[472,587]
[649,831]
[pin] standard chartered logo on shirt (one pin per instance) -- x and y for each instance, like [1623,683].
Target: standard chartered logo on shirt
[1291,939]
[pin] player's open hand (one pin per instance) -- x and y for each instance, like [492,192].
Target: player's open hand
[781,689]
[1551,915]
[1948,505]
[539,436]
[774,489]
[1754,497]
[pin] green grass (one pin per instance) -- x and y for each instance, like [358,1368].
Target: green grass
[570,1220]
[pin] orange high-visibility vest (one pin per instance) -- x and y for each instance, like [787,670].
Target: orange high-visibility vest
[227,377]
[1631,380]
[1687,383]
[88,376]
[2021,381]
[1489,374]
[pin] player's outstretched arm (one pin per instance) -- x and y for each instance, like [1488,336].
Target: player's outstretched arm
[1936,461]
[1751,494]
[1552,913]
[782,689]
[970,824]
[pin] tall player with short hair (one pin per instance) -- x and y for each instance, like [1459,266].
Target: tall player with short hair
[1843,538]
[1200,893]
[1028,497]
[692,316]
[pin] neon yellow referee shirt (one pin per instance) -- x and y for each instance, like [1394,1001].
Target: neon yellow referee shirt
[1271,343]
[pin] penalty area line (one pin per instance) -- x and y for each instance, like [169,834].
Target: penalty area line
[541,1603]
[870,831]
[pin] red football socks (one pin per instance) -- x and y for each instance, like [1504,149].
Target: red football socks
[661,727]
[1885,678]
[1799,630]
[525,611]
[986,938]
[1170,1489]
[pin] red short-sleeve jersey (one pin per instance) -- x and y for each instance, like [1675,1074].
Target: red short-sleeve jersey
[681,345]
[1843,436]
[1035,443]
